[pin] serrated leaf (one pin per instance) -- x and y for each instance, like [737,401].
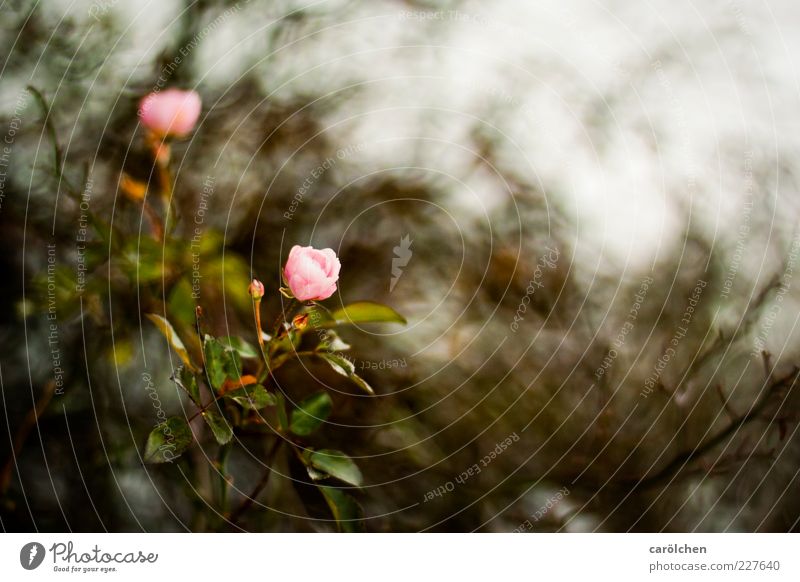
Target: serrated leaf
[346,511]
[254,397]
[219,426]
[184,378]
[311,413]
[167,441]
[221,363]
[346,368]
[336,464]
[165,327]
[245,349]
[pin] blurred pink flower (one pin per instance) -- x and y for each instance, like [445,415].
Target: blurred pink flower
[310,273]
[170,112]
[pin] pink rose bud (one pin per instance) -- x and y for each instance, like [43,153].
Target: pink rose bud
[310,273]
[256,289]
[170,112]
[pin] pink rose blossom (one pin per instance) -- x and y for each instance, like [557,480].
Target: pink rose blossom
[170,112]
[310,273]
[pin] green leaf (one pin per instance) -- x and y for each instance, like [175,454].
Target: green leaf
[181,304]
[254,397]
[245,349]
[339,364]
[334,463]
[366,312]
[184,378]
[346,511]
[311,413]
[355,313]
[165,327]
[346,368]
[316,475]
[361,383]
[221,362]
[307,490]
[167,441]
[219,426]
[331,342]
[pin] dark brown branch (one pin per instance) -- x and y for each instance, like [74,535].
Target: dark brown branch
[683,459]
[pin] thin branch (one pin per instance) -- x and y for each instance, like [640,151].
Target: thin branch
[250,499]
[725,404]
[684,458]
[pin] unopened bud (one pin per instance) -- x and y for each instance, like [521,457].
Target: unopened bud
[256,289]
[170,112]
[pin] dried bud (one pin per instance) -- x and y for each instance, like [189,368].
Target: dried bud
[256,289]
[300,321]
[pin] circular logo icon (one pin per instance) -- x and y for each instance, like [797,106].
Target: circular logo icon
[31,555]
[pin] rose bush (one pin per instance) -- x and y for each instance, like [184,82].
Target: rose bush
[232,397]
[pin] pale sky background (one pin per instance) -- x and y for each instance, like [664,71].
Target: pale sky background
[617,109]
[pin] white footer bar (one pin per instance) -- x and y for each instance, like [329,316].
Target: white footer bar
[406,557]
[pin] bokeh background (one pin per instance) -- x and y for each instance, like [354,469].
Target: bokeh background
[621,178]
